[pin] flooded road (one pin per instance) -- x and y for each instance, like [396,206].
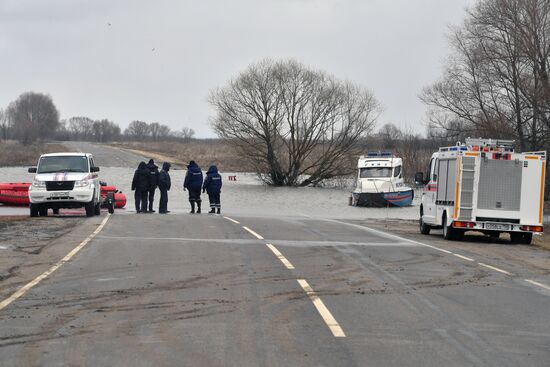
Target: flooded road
[285,277]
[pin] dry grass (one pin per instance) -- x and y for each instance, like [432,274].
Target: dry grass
[204,152]
[16,154]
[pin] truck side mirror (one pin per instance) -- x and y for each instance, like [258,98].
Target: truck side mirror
[419,178]
[94,169]
[32,170]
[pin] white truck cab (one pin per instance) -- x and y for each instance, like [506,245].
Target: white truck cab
[65,180]
[483,186]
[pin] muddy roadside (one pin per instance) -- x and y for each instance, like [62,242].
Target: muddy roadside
[30,246]
[535,257]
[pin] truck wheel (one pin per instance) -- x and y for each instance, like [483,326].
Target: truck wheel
[90,209]
[97,209]
[33,210]
[449,233]
[43,210]
[56,211]
[424,228]
[111,208]
[521,238]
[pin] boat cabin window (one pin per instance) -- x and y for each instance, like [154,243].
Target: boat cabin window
[397,171]
[375,172]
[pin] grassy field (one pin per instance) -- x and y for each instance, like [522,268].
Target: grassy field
[204,152]
[16,154]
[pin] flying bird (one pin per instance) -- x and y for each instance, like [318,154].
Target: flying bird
[153,49]
[109,24]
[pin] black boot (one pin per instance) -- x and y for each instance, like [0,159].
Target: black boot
[212,211]
[219,210]
[192,207]
[198,207]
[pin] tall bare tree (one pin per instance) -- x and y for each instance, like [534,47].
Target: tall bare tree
[137,130]
[4,124]
[295,125]
[34,116]
[496,81]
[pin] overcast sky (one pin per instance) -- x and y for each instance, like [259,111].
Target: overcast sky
[157,60]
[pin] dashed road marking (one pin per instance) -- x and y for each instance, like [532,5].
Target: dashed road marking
[544,286]
[232,220]
[495,269]
[21,291]
[253,233]
[322,309]
[280,256]
[463,257]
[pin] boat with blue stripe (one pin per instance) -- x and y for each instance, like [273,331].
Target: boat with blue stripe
[380,182]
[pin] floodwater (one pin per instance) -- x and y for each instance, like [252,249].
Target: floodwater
[245,196]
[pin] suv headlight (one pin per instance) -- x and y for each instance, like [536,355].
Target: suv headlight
[81,183]
[39,184]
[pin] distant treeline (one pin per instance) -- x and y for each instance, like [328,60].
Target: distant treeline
[34,116]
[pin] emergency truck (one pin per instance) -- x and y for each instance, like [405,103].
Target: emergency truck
[484,186]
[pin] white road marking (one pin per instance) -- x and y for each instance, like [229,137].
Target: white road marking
[463,257]
[495,269]
[544,286]
[322,309]
[4,247]
[232,220]
[388,235]
[112,279]
[280,256]
[21,291]
[253,233]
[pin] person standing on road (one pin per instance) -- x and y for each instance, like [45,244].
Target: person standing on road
[164,187]
[153,182]
[140,184]
[193,183]
[213,187]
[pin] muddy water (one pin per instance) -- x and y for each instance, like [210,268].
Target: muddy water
[245,196]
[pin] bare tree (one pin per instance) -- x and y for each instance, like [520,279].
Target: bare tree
[187,134]
[496,81]
[137,130]
[294,125]
[4,124]
[80,128]
[34,116]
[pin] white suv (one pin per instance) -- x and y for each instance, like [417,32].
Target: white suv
[65,180]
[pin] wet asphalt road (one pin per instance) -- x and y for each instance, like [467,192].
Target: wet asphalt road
[202,290]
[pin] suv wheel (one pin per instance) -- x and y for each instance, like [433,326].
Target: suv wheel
[33,210]
[90,209]
[43,210]
[97,209]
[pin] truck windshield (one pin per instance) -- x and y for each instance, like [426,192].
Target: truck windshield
[375,172]
[63,164]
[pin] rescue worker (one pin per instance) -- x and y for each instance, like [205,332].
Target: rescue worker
[213,187]
[140,184]
[193,183]
[153,182]
[164,187]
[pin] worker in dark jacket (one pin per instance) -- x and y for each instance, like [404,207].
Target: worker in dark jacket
[164,187]
[153,182]
[213,187]
[193,183]
[140,184]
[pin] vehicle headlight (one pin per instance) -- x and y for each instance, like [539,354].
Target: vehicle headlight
[39,184]
[81,183]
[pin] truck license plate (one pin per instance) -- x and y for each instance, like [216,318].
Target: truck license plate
[497,226]
[59,194]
